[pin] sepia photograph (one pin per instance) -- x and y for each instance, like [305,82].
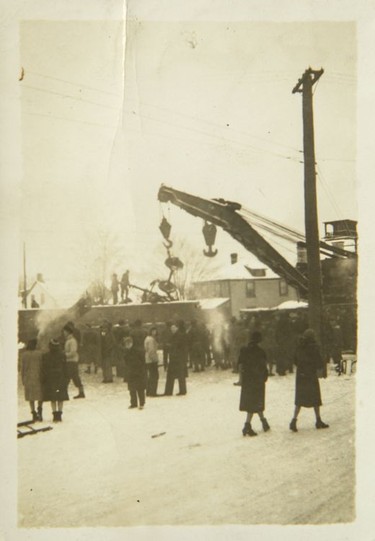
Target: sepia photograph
[185,347]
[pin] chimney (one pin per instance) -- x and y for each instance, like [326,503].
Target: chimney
[39,277]
[233,258]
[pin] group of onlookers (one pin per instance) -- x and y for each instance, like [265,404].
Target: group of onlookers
[137,353]
[282,332]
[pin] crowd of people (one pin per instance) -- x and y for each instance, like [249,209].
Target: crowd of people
[136,352]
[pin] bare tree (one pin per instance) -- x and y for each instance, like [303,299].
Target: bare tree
[196,266]
[99,254]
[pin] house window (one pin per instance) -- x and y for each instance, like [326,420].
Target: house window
[283,288]
[216,290]
[250,289]
[257,272]
[224,289]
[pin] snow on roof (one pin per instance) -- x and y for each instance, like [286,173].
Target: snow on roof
[291,305]
[241,271]
[286,305]
[211,304]
[260,309]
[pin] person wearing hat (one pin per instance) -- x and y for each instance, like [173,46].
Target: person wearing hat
[136,373]
[177,366]
[252,364]
[71,355]
[54,379]
[307,395]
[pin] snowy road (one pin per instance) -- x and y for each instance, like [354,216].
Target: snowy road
[101,466]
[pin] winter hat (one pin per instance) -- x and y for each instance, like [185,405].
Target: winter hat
[309,335]
[68,328]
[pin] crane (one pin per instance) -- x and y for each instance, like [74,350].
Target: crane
[226,214]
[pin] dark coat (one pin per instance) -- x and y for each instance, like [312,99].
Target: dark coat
[31,375]
[90,351]
[54,376]
[178,355]
[253,365]
[308,361]
[138,334]
[135,367]
[108,351]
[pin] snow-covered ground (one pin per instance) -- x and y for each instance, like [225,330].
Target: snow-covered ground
[102,467]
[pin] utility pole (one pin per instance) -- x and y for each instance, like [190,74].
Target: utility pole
[24,277]
[304,86]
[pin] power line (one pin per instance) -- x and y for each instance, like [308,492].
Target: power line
[325,187]
[333,202]
[281,245]
[336,160]
[222,138]
[273,231]
[68,119]
[186,139]
[288,230]
[215,124]
[70,97]
[166,122]
[75,84]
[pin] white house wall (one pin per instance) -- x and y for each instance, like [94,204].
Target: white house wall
[267,293]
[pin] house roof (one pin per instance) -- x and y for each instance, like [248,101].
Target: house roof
[241,271]
[286,305]
[291,305]
[42,286]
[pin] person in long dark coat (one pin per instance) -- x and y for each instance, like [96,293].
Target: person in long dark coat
[31,370]
[138,334]
[252,363]
[309,361]
[55,379]
[136,373]
[177,366]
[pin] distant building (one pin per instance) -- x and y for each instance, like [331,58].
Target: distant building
[38,296]
[341,234]
[246,286]
[339,274]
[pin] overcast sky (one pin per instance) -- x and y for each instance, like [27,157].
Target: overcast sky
[203,107]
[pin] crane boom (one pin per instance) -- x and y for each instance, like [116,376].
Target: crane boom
[224,214]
